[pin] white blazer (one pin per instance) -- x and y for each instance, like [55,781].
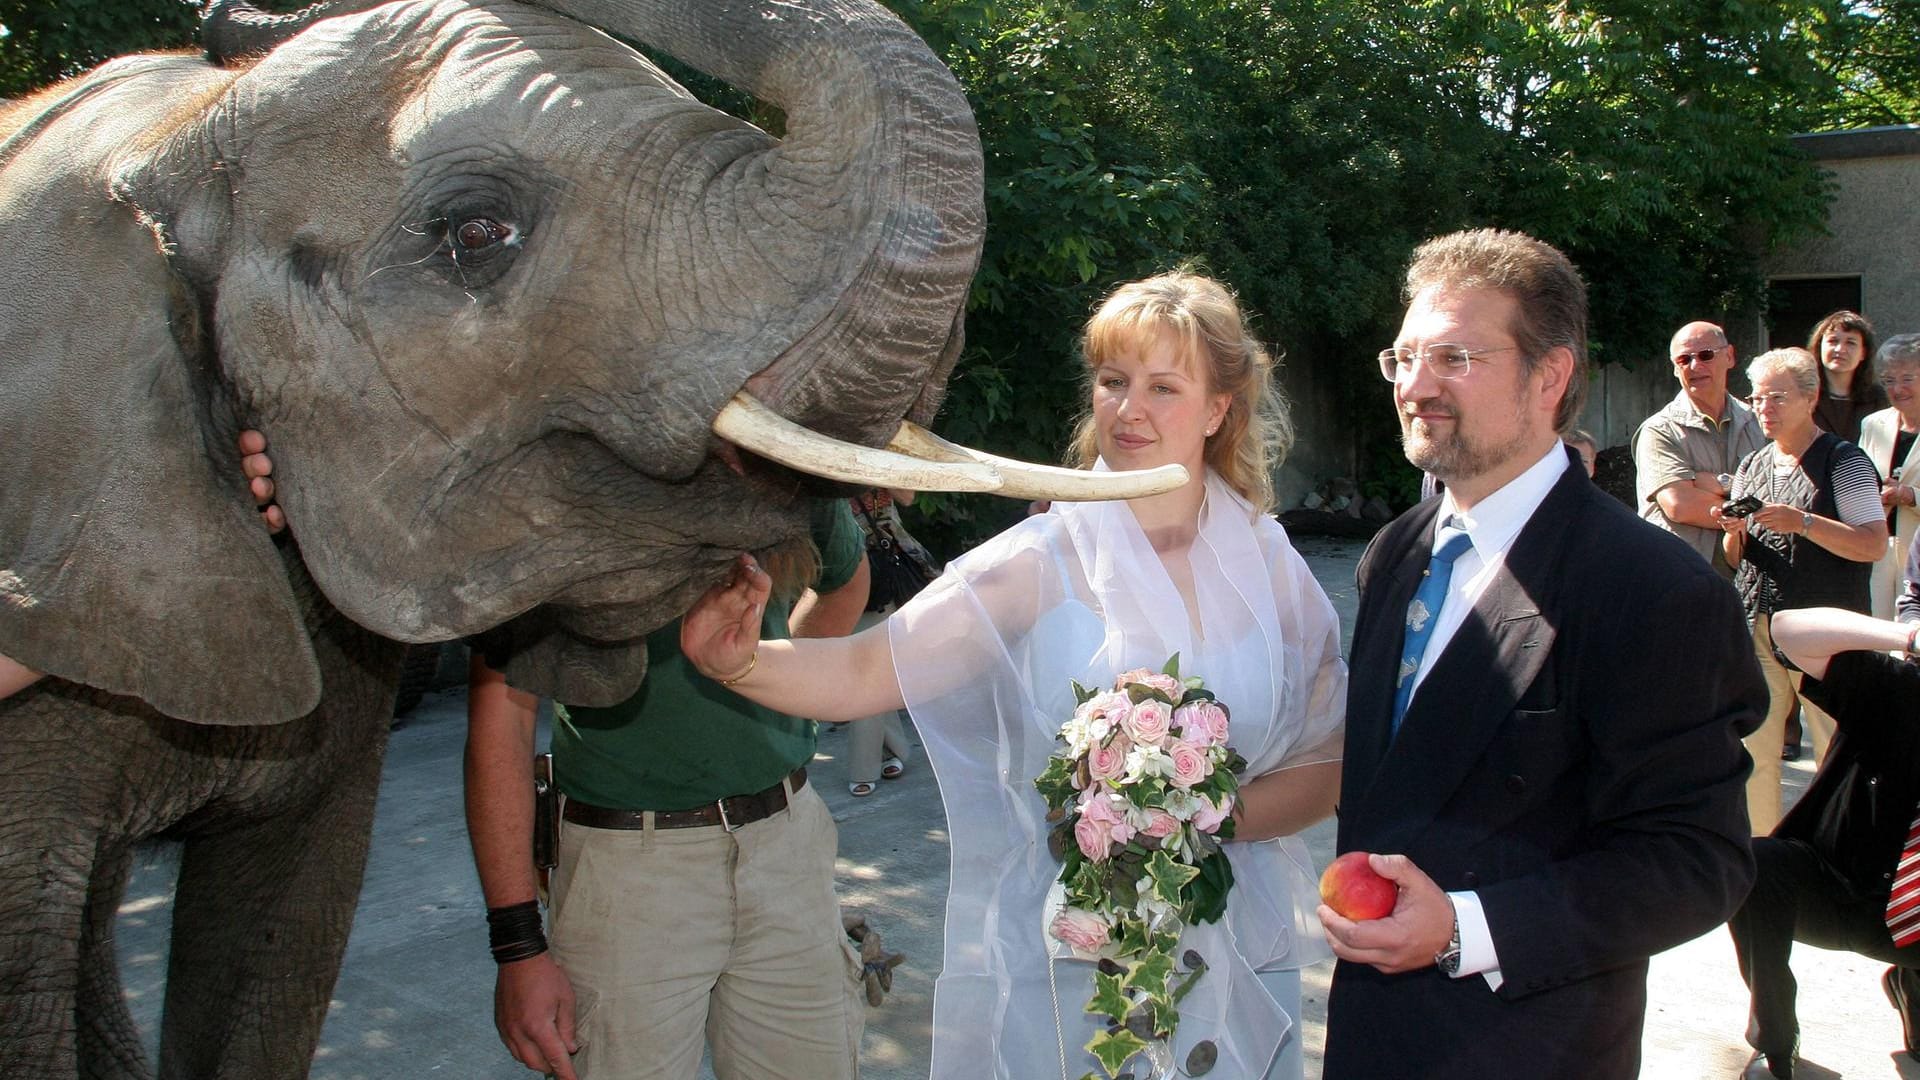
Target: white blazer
[1877,432]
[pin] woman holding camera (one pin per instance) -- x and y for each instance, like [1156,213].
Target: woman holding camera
[1806,536]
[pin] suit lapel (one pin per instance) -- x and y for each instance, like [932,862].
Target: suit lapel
[1379,634]
[1488,664]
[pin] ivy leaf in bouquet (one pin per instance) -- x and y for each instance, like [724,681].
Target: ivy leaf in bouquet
[1140,796]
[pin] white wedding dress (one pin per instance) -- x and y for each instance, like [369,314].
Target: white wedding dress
[984,656]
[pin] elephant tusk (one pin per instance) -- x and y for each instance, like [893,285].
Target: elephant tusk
[1025,480]
[751,425]
[919,460]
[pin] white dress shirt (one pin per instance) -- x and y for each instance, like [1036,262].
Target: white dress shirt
[1492,525]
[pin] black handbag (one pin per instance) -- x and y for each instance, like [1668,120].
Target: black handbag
[895,576]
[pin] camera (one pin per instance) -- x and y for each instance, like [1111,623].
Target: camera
[1744,506]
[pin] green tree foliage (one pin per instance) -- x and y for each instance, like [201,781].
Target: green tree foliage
[50,40]
[1875,58]
[1301,148]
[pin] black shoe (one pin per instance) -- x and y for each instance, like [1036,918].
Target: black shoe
[1790,752]
[1768,1067]
[1891,981]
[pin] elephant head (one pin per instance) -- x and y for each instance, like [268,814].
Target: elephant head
[486,278]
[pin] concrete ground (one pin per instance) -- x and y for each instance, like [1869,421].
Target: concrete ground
[415,997]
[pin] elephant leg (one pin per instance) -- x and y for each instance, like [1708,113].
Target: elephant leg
[260,924]
[109,1041]
[42,897]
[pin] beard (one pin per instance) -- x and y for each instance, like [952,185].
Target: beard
[1457,455]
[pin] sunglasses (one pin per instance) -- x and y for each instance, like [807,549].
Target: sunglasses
[1700,356]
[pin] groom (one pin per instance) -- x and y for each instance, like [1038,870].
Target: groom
[1544,717]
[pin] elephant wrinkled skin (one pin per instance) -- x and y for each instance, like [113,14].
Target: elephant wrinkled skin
[484,276]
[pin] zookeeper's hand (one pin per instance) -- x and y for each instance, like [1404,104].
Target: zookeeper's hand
[722,630]
[533,1011]
[1407,940]
[258,469]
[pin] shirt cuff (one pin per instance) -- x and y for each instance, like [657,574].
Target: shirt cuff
[1476,940]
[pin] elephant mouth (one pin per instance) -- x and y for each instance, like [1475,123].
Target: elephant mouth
[916,459]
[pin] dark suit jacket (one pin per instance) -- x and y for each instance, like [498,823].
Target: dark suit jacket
[1574,758]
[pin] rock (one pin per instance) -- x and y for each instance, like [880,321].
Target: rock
[1339,503]
[1342,488]
[1313,501]
[1376,509]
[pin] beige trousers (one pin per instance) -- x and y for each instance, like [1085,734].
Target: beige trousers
[1783,694]
[872,740]
[672,936]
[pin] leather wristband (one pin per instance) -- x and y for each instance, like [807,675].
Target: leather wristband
[514,932]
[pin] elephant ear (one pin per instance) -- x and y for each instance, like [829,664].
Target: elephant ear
[131,557]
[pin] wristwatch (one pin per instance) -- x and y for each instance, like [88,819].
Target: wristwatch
[1448,959]
[1806,523]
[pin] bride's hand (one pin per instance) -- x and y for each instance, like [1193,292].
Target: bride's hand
[720,633]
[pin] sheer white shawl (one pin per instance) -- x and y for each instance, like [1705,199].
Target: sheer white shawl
[984,656]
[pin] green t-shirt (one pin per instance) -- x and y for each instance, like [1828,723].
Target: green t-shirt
[683,740]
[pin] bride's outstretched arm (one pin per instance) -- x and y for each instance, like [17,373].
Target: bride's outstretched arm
[833,679]
[1287,800]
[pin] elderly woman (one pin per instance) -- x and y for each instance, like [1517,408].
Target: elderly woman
[1843,342]
[982,659]
[1811,543]
[1888,438]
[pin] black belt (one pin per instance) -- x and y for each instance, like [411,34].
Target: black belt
[729,813]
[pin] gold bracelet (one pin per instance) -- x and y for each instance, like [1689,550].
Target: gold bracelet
[751,660]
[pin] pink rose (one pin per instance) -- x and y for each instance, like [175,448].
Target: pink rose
[1078,929]
[1108,762]
[1106,811]
[1202,723]
[1166,684]
[1094,837]
[1149,722]
[1160,825]
[1190,765]
[1111,707]
[1208,816]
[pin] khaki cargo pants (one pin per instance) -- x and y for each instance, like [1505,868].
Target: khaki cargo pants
[674,935]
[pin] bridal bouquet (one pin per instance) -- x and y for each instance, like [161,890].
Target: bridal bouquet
[1140,796]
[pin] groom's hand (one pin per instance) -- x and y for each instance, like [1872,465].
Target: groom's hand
[1407,940]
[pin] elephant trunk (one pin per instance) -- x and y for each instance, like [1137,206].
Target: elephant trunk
[235,29]
[867,216]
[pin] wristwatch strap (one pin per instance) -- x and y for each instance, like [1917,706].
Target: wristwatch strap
[1448,959]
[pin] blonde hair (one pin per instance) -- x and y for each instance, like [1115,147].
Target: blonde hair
[1254,436]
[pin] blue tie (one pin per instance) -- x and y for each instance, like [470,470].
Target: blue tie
[1449,544]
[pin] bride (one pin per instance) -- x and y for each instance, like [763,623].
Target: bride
[983,657]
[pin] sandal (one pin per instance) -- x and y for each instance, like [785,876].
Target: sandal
[860,789]
[891,768]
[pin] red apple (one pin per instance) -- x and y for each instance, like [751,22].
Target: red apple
[1351,888]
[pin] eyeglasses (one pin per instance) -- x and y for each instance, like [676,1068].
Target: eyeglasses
[1776,400]
[1699,356]
[1446,361]
[1892,381]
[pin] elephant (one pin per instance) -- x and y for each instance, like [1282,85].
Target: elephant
[488,279]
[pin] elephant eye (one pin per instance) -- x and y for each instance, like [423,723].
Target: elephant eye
[475,234]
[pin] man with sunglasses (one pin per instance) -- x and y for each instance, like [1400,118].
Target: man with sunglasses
[1681,452]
